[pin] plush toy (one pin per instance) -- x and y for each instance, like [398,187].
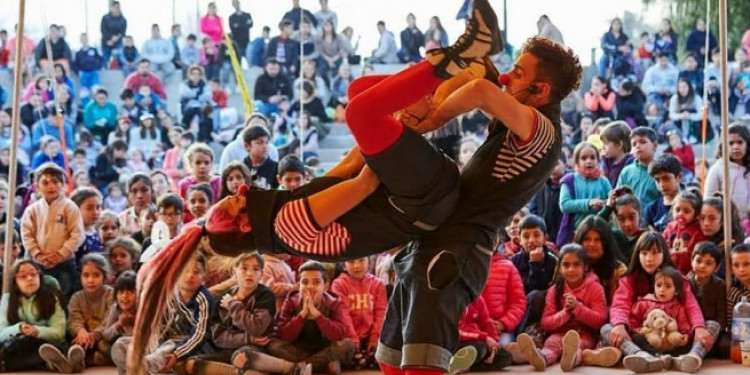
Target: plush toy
[661,331]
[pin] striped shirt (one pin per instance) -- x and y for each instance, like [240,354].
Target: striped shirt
[516,156]
[735,296]
[296,227]
[188,323]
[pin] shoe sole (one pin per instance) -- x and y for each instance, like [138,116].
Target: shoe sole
[462,360]
[640,365]
[686,363]
[529,351]
[77,358]
[605,357]
[489,18]
[55,359]
[570,344]
[242,365]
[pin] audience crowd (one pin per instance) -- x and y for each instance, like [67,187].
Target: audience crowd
[622,227]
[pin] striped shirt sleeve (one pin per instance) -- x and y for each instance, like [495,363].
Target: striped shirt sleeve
[201,326]
[517,156]
[296,226]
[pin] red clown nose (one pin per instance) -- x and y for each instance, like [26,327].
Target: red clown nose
[504,79]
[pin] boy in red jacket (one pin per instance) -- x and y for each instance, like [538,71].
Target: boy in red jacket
[480,350]
[367,304]
[314,327]
[504,296]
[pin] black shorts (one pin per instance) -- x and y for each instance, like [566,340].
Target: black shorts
[421,182]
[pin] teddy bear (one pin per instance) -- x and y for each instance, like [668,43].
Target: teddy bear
[661,331]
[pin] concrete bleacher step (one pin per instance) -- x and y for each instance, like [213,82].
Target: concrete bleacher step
[331,155]
[339,128]
[337,141]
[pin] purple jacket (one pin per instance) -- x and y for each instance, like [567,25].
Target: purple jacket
[612,170]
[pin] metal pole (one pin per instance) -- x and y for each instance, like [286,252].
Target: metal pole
[174,12]
[86,15]
[301,88]
[13,168]
[505,21]
[725,138]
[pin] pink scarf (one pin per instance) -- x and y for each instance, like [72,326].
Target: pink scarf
[595,174]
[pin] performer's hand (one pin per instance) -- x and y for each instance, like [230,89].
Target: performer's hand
[618,335]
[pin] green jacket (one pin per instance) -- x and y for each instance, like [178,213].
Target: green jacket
[49,330]
[93,113]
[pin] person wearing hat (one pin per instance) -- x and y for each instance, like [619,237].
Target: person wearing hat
[146,137]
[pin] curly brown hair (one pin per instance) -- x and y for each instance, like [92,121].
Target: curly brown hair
[558,66]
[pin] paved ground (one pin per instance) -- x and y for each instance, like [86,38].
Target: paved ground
[711,367]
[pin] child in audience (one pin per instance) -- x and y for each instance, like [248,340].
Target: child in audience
[234,175]
[313,327]
[668,296]
[187,322]
[169,210]
[15,252]
[81,179]
[367,304]
[162,184]
[681,150]
[710,291]
[667,173]
[137,161]
[291,173]
[244,316]
[505,298]
[90,203]
[575,309]
[50,151]
[200,160]
[513,244]
[583,192]
[199,198]
[536,265]
[108,227]
[711,221]
[684,231]
[546,202]
[88,309]
[478,342]
[123,253]
[146,220]
[32,323]
[740,258]
[264,170]
[615,150]
[643,143]
[121,316]
[52,228]
[278,276]
[604,257]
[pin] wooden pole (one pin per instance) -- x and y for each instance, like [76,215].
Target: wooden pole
[301,87]
[704,120]
[13,168]
[725,139]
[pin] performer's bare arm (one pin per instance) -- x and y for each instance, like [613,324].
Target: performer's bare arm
[328,205]
[488,97]
[349,166]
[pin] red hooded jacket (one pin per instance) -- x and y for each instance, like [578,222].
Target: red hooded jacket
[691,234]
[334,321]
[630,289]
[504,294]
[367,304]
[589,315]
[475,324]
[673,308]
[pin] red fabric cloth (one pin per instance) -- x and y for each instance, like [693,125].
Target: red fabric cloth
[334,321]
[390,370]
[171,161]
[367,304]
[475,324]
[590,314]
[630,289]
[503,293]
[673,308]
[369,115]
[676,230]
[686,156]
